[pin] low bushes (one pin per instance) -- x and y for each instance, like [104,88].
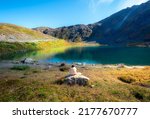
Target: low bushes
[20,67]
[127,79]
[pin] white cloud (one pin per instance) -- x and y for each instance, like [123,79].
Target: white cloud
[94,4]
[129,3]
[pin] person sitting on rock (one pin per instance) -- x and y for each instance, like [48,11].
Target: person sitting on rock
[73,71]
[75,77]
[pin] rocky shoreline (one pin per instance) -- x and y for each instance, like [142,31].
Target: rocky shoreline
[36,64]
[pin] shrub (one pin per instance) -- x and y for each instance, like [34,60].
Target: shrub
[20,67]
[59,82]
[63,67]
[42,95]
[127,79]
[138,95]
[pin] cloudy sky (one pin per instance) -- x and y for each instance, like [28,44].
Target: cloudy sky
[57,13]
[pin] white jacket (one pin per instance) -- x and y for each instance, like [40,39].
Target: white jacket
[73,71]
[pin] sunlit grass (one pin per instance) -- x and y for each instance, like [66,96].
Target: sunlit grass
[10,29]
[40,85]
[41,48]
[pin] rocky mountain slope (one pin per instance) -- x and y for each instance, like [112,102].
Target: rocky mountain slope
[72,33]
[130,26]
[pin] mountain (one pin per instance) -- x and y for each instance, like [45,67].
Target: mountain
[72,33]
[130,26]
[13,33]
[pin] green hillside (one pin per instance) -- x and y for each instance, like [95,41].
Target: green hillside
[10,32]
[15,38]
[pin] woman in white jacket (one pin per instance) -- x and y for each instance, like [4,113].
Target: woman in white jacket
[73,71]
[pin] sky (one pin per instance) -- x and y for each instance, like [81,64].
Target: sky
[58,13]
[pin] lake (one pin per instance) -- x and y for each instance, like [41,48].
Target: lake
[92,55]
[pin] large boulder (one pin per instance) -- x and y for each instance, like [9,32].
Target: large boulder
[76,79]
[28,61]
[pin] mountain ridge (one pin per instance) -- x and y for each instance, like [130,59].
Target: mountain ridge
[126,27]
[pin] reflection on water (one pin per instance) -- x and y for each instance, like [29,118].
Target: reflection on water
[17,55]
[37,55]
[93,55]
[104,55]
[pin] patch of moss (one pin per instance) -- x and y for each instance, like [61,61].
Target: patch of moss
[20,67]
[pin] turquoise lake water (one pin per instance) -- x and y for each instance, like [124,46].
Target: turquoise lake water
[103,55]
[92,55]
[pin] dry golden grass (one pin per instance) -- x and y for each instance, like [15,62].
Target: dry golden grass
[140,76]
[36,84]
[10,29]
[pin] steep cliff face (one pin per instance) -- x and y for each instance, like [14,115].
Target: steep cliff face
[131,25]
[126,27]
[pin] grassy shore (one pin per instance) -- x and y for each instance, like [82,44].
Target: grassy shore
[37,83]
[10,47]
[7,47]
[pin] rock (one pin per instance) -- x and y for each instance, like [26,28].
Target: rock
[28,61]
[15,62]
[12,37]
[76,79]
[63,67]
[62,64]
[120,66]
[92,86]
[93,64]
[83,63]
[78,63]
[49,67]
[2,37]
